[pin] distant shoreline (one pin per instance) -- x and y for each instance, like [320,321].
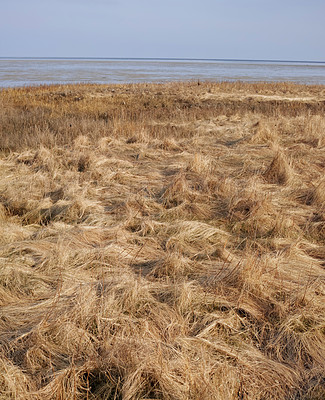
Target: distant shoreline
[69,85]
[168,59]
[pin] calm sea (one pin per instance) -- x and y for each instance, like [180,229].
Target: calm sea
[27,71]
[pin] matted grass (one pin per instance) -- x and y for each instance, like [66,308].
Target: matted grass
[162,241]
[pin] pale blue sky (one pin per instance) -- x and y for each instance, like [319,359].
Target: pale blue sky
[242,29]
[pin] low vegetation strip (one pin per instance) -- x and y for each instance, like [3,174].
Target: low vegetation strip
[162,241]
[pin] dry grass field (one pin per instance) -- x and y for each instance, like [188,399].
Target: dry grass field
[162,241]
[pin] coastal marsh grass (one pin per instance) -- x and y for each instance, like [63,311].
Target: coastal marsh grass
[162,241]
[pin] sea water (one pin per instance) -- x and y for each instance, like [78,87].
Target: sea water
[36,71]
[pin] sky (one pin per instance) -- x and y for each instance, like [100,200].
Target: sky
[231,29]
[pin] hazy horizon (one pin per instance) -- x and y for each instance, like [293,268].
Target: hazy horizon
[211,29]
[159,59]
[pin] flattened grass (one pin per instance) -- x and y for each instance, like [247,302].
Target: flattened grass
[162,241]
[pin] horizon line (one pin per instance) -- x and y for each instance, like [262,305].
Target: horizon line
[163,59]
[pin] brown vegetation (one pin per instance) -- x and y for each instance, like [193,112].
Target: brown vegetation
[162,242]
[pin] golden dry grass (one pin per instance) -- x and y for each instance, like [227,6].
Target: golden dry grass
[162,242]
